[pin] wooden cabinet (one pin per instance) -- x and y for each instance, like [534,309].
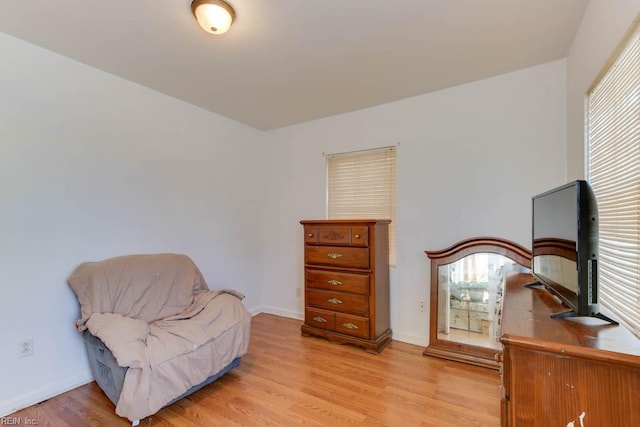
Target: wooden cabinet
[346,265]
[564,372]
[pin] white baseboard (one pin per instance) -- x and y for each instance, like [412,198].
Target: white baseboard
[278,312]
[36,396]
[409,338]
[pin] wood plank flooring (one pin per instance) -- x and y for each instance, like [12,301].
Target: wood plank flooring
[289,380]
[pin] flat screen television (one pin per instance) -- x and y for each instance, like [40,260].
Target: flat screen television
[565,247]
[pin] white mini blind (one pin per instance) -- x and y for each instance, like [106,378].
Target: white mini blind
[613,137]
[362,184]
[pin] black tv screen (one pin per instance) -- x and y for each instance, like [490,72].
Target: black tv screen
[565,245]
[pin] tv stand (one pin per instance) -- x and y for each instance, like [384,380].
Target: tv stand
[553,372]
[533,284]
[572,313]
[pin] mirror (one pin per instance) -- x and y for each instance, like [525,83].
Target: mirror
[467,282]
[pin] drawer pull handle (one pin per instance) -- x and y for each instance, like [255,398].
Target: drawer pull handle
[334,301]
[310,235]
[334,255]
[334,282]
[357,236]
[320,319]
[350,325]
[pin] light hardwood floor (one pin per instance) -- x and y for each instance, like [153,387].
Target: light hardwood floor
[289,380]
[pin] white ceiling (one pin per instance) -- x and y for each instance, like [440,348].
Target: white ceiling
[289,61]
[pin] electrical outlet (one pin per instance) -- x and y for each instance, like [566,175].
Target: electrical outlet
[25,347]
[298,291]
[423,307]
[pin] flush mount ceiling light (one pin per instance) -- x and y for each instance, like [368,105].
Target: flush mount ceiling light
[214,16]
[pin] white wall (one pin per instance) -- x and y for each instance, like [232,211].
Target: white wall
[469,160]
[93,166]
[601,31]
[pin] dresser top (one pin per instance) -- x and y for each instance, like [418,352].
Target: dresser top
[527,322]
[345,221]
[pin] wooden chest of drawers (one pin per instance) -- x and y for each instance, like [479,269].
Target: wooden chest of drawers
[347,282]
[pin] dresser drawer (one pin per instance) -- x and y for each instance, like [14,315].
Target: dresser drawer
[334,235]
[359,236]
[337,301]
[343,235]
[310,234]
[352,325]
[337,256]
[320,319]
[333,281]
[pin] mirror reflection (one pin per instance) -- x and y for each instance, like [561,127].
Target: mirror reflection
[469,298]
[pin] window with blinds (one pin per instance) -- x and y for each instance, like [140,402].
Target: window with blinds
[613,167]
[362,184]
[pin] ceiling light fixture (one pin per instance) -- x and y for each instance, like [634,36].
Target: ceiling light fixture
[214,16]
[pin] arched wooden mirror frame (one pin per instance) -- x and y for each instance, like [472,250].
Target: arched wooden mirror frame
[454,350]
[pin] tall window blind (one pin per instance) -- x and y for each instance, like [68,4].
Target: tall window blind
[613,138]
[362,184]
